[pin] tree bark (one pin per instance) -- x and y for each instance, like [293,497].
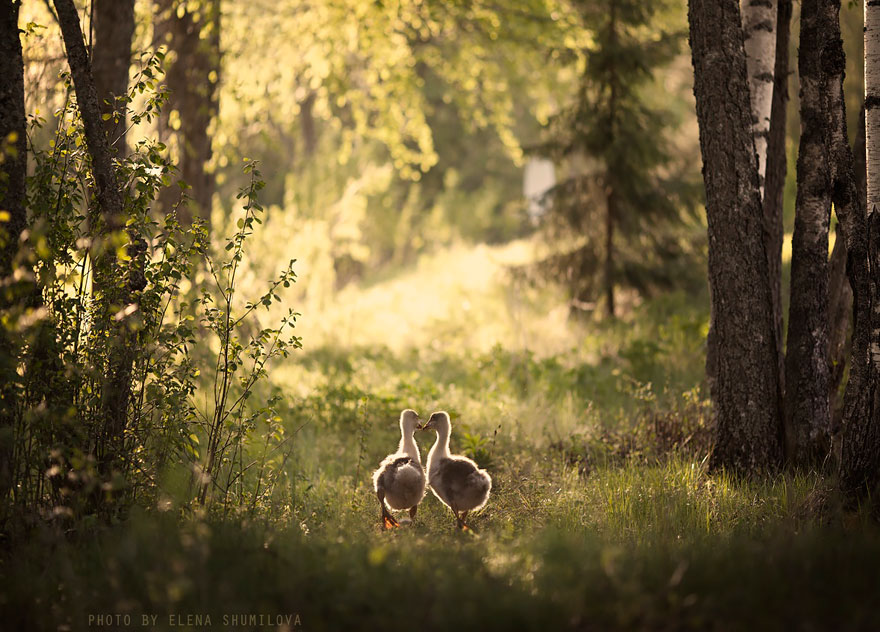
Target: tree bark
[759,29]
[114,289]
[807,414]
[610,211]
[860,435]
[13,170]
[13,148]
[840,298]
[744,390]
[111,60]
[108,193]
[611,197]
[192,78]
[774,183]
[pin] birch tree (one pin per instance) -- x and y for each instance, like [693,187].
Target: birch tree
[759,31]
[775,173]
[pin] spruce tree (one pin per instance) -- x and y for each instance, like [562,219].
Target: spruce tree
[625,194]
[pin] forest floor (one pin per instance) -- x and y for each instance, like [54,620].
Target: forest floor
[602,514]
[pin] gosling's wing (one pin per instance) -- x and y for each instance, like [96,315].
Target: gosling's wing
[455,474]
[393,466]
[382,475]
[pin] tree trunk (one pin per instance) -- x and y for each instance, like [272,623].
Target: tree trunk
[774,183]
[807,414]
[114,289]
[860,435]
[744,387]
[111,59]
[759,30]
[610,210]
[611,198]
[13,169]
[840,298]
[192,76]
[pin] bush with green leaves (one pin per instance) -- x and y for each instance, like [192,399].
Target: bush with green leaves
[197,348]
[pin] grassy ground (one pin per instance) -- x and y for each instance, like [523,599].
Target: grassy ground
[602,515]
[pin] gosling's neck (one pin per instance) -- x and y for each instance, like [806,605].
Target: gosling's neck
[408,445]
[441,446]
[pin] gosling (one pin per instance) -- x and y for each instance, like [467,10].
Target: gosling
[455,480]
[399,482]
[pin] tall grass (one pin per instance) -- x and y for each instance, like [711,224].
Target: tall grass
[602,515]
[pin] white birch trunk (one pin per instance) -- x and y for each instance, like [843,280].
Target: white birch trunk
[759,31]
[872,141]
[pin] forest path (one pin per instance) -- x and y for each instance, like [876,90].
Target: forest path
[461,296]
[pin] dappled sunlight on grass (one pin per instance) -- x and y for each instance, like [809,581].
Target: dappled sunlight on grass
[457,298]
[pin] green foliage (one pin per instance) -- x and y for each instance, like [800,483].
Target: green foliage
[602,513]
[63,350]
[398,126]
[629,187]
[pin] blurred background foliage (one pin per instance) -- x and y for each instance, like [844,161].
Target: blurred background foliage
[385,130]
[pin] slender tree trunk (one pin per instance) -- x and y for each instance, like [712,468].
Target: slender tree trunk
[774,183]
[111,59]
[860,435]
[114,288]
[840,298]
[610,213]
[807,414]
[108,193]
[13,169]
[745,386]
[759,29]
[611,198]
[307,125]
[13,148]
[192,76]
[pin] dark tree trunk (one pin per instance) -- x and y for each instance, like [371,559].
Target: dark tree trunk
[774,182]
[807,414]
[611,199]
[114,289]
[13,169]
[744,387]
[610,211]
[840,299]
[307,125]
[108,193]
[860,435]
[111,59]
[192,77]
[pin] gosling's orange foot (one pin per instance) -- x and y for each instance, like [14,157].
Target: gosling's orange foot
[389,522]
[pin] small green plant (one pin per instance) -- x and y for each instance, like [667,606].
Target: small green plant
[476,447]
[239,364]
